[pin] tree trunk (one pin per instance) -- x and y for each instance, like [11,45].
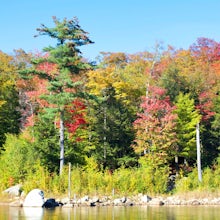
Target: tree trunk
[198,153]
[61,141]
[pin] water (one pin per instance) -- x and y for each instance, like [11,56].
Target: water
[113,213]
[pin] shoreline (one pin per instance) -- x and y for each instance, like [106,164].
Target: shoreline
[139,200]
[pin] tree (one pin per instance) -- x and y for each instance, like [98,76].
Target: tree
[188,117]
[154,126]
[111,132]
[210,110]
[63,83]
[9,102]
[173,82]
[17,149]
[118,84]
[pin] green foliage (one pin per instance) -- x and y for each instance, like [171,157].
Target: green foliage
[210,136]
[46,143]
[154,174]
[37,176]
[210,180]
[63,84]
[173,82]
[9,99]
[112,122]
[186,122]
[16,160]
[102,150]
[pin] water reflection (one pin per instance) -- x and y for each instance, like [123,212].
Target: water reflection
[113,213]
[34,213]
[26,213]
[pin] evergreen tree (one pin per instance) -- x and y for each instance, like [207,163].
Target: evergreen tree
[112,132]
[63,83]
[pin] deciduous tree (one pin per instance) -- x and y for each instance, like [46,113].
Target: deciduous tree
[155,126]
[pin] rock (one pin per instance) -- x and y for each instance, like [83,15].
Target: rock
[145,199]
[95,199]
[14,190]
[156,201]
[68,205]
[194,202]
[51,203]
[65,200]
[129,202]
[123,199]
[120,201]
[34,198]
[92,204]
[16,203]
[84,199]
[117,202]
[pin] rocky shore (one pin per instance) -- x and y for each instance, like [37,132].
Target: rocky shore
[36,198]
[141,200]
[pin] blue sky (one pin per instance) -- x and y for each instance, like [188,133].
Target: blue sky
[128,26]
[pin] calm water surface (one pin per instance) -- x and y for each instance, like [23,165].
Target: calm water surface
[113,213]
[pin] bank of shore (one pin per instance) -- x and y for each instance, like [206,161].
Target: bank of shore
[137,200]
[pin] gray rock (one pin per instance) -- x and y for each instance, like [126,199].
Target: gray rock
[68,205]
[51,203]
[14,190]
[119,201]
[156,202]
[34,198]
[84,199]
[145,199]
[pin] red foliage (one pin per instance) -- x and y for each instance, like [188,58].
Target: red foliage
[157,107]
[205,105]
[77,116]
[206,49]
[155,125]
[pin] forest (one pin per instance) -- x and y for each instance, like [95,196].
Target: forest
[125,121]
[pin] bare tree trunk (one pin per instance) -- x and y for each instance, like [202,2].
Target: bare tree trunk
[198,153]
[61,141]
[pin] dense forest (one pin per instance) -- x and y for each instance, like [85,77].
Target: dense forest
[125,121]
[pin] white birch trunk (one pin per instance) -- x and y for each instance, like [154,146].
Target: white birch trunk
[61,141]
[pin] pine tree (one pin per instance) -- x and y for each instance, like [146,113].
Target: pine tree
[63,82]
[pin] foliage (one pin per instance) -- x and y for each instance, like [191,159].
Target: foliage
[111,121]
[112,115]
[9,103]
[16,160]
[144,111]
[210,180]
[155,125]
[58,67]
[186,122]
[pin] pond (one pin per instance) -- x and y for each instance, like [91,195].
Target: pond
[113,213]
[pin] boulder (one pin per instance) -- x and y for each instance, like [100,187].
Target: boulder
[51,203]
[35,198]
[156,202]
[119,201]
[145,199]
[14,190]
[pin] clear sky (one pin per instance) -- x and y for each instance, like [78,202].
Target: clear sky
[128,26]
